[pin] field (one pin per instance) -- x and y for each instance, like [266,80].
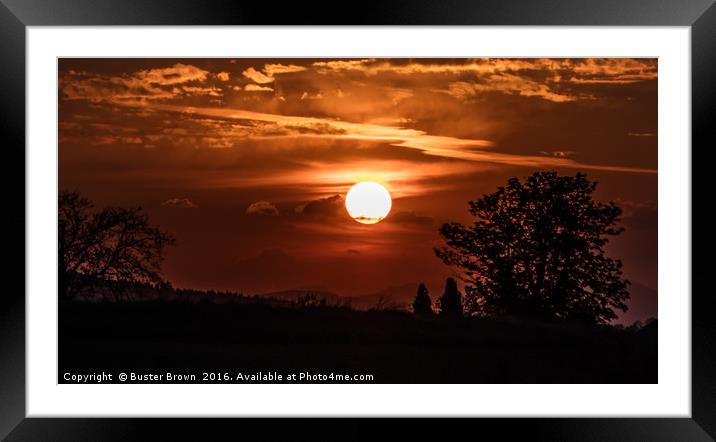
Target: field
[391,346]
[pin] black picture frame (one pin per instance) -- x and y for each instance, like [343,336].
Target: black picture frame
[16,15]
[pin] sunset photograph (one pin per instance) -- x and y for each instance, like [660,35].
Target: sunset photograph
[358,220]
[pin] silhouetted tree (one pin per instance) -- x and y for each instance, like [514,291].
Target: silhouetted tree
[422,304]
[451,300]
[537,248]
[113,245]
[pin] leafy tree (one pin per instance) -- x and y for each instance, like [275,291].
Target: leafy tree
[451,300]
[537,249]
[113,245]
[422,304]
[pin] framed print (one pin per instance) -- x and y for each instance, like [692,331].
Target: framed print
[466,211]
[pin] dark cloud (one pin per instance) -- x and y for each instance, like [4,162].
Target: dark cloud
[181,203]
[558,153]
[262,208]
[322,208]
[151,84]
[409,218]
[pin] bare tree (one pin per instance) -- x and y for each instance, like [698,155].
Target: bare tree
[112,245]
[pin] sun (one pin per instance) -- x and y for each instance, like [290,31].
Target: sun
[368,202]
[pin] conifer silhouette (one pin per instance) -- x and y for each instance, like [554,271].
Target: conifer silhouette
[451,300]
[422,304]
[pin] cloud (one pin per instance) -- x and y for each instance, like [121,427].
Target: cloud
[549,79]
[111,139]
[308,96]
[177,74]
[509,84]
[180,203]
[323,207]
[325,67]
[151,84]
[270,71]
[616,69]
[273,69]
[409,218]
[556,80]
[372,67]
[558,153]
[434,145]
[413,138]
[256,88]
[262,208]
[257,76]
[612,70]
[199,90]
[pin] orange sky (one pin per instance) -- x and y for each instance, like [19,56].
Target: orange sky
[246,161]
